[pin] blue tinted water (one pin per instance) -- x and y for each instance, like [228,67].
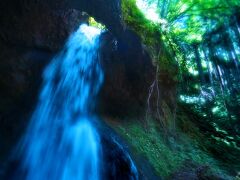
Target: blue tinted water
[61,143]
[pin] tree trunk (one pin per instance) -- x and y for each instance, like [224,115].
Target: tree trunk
[199,64]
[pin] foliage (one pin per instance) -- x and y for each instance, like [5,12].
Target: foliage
[94,23]
[170,156]
[150,34]
[192,17]
[203,37]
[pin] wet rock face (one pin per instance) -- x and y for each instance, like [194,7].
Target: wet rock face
[20,80]
[30,26]
[36,25]
[108,12]
[116,162]
[128,74]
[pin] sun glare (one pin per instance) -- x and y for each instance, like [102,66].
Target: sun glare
[150,11]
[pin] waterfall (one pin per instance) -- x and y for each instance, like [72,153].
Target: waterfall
[61,142]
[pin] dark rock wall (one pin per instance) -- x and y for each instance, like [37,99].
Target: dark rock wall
[30,34]
[128,74]
[37,25]
[20,80]
[32,31]
[108,12]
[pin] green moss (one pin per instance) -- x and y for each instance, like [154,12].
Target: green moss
[165,156]
[151,36]
[94,23]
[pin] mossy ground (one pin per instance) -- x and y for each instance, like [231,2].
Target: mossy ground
[167,156]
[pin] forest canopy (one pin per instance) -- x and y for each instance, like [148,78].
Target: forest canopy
[203,38]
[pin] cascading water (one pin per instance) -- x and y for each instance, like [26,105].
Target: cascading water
[61,142]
